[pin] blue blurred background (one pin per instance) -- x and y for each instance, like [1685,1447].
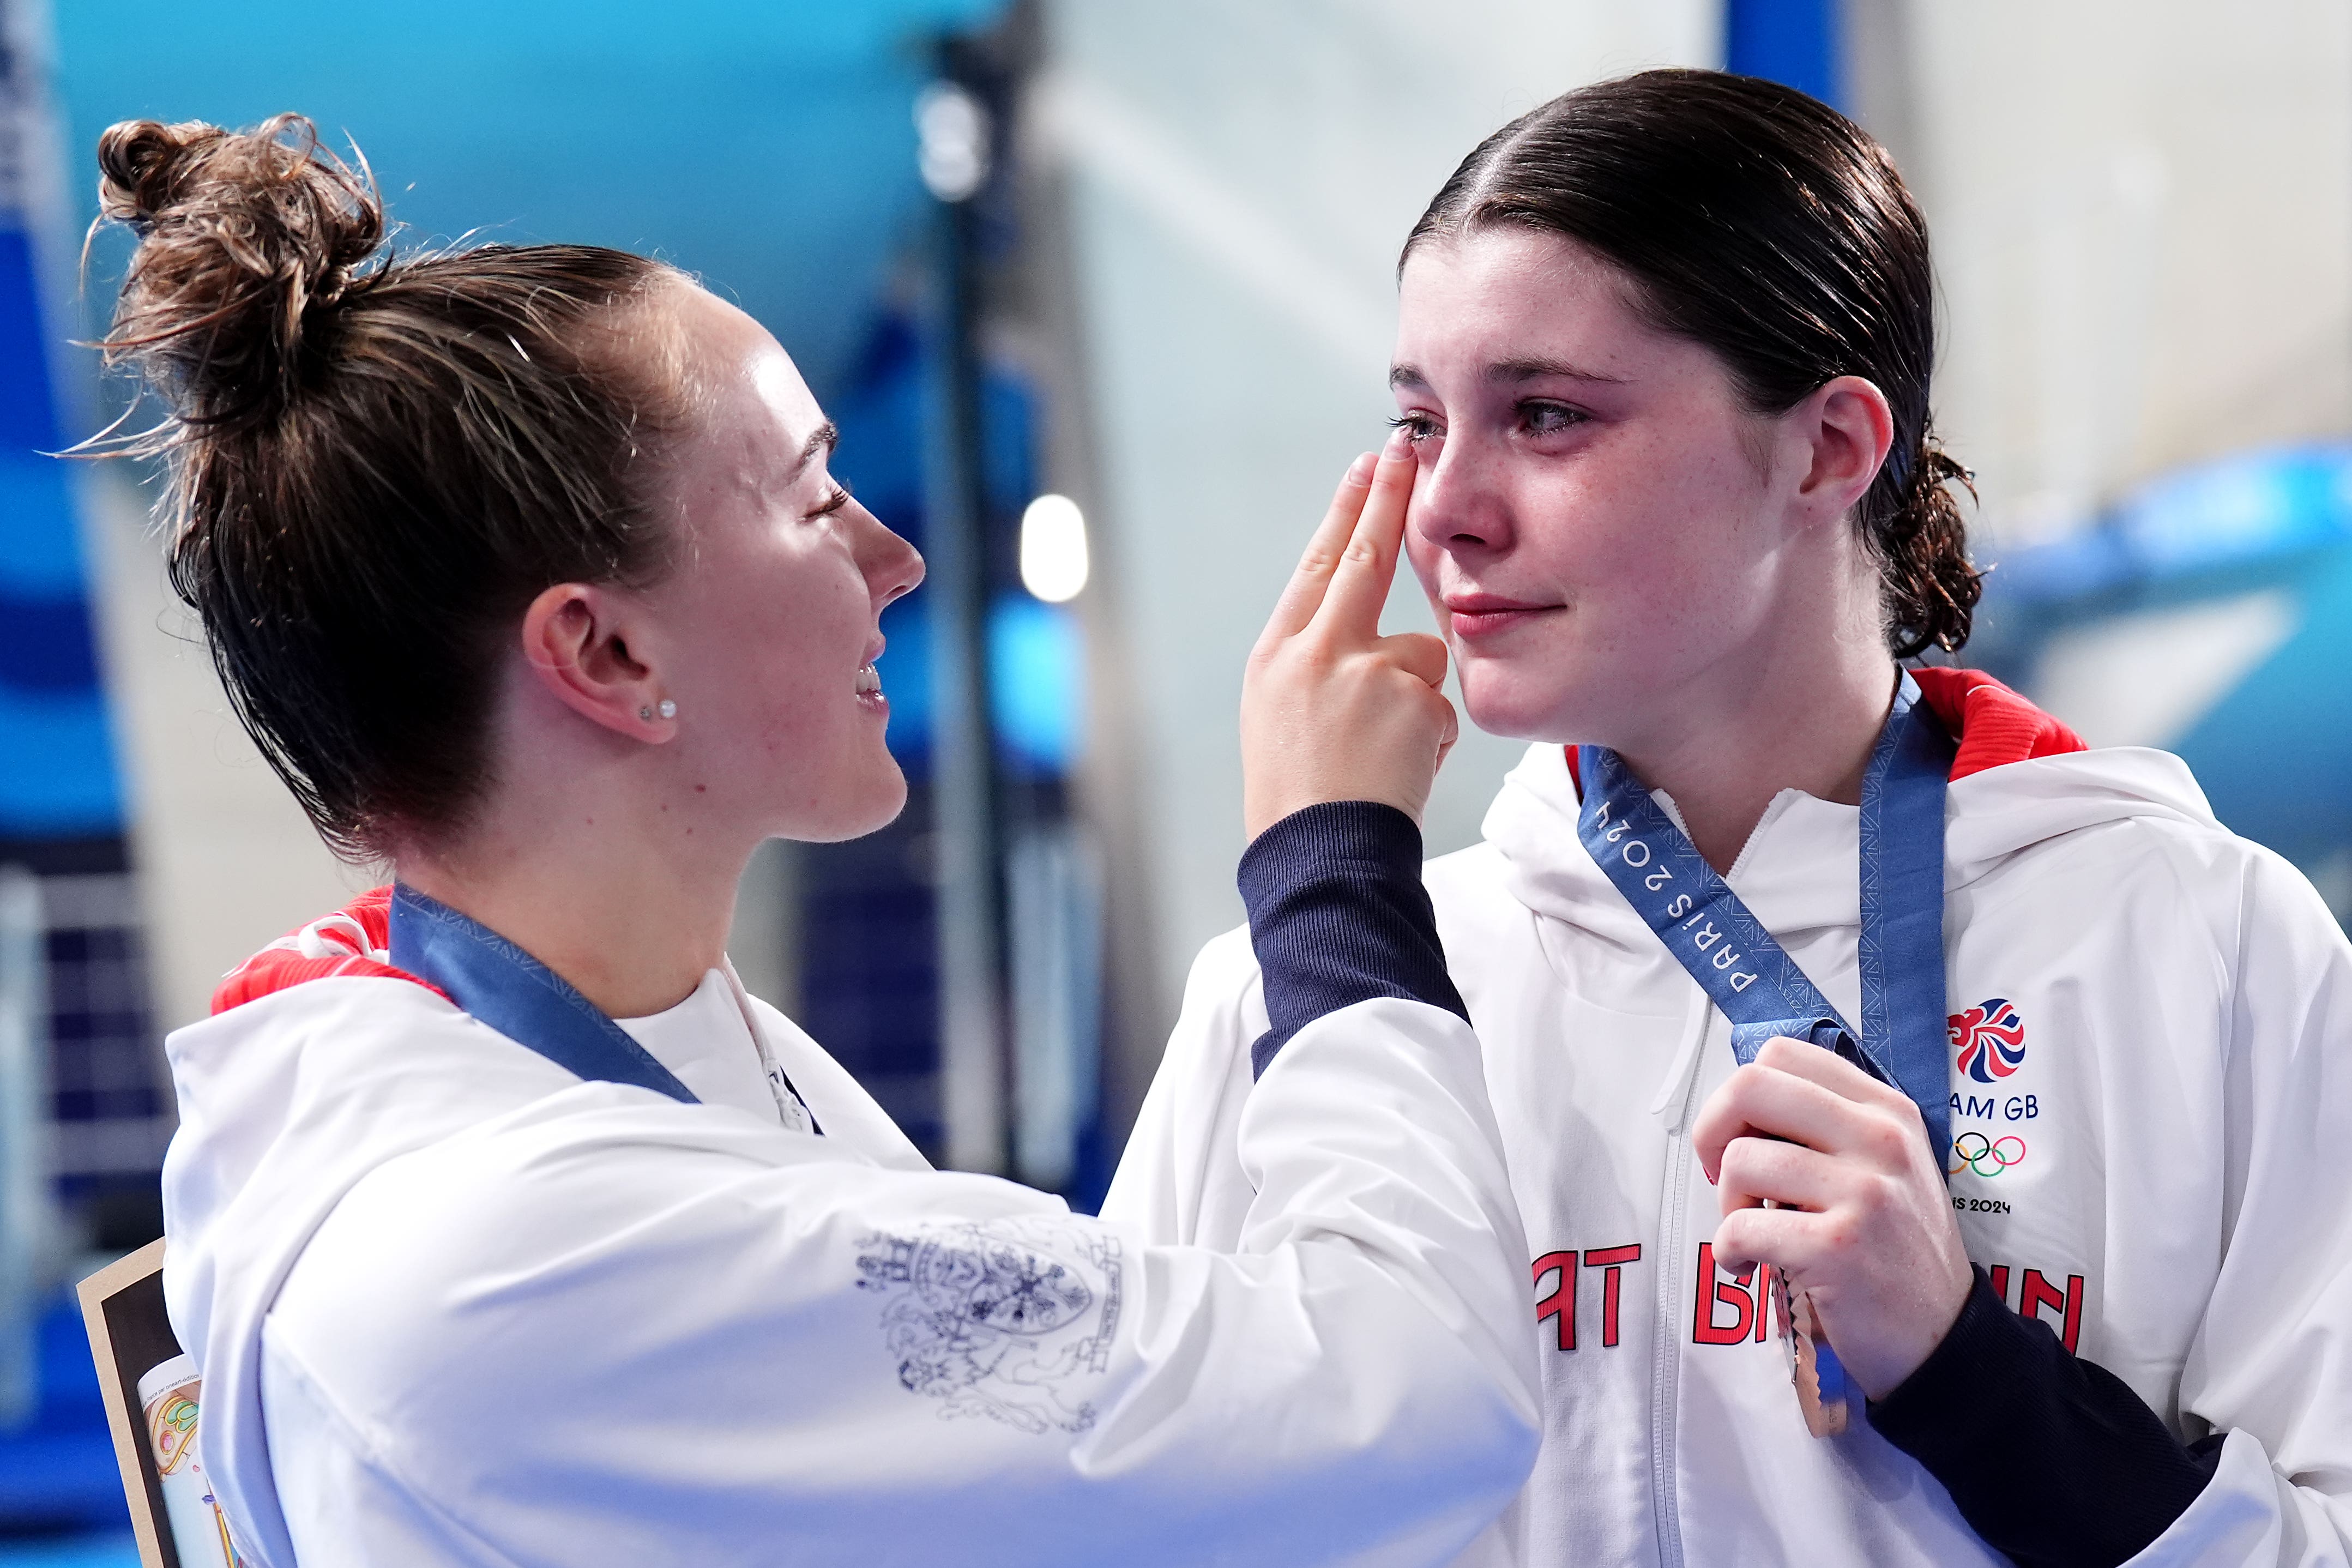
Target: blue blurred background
[1099,298]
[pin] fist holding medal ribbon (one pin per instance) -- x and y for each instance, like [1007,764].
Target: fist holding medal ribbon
[1828,1140]
[1826,1175]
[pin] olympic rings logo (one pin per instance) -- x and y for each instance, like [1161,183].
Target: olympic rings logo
[1985,1156]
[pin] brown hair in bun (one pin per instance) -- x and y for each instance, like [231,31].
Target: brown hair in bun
[375,461]
[240,236]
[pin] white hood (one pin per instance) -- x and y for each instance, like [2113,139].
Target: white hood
[1806,881]
[461,1266]
[285,1103]
[2174,1208]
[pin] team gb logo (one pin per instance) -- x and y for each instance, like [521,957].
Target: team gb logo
[1988,1040]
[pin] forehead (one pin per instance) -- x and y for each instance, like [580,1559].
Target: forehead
[1494,294]
[776,383]
[751,386]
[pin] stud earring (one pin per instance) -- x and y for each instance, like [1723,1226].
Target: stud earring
[645,712]
[669,709]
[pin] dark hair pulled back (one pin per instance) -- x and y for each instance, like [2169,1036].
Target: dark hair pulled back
[1764,226]
[375,462]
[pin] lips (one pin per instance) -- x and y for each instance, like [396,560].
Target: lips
[1474,616]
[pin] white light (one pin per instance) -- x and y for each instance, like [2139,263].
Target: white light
[1054,549]
[951,129]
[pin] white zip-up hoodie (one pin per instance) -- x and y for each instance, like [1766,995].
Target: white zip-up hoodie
[2152,1105]
[453,1305]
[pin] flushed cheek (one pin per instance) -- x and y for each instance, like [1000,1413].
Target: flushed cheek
[755,654]
[1426,558]
[792,610]
[1634,552]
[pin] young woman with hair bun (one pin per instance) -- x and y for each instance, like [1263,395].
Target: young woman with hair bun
[502,1225]
[2047,1257]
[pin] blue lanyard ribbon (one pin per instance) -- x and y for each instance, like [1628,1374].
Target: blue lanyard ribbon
[522,998]
[1747,974]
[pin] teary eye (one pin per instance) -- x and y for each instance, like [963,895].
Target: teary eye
[1542,418]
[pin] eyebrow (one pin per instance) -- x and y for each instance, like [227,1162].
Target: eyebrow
[823,438]
[1532,369]
[1507,371]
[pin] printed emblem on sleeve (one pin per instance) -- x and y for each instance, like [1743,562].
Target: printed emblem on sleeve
[1005,1319]
[1988,1040]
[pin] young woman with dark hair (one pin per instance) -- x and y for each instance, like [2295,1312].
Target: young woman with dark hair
[504,1226]
[2053,1238]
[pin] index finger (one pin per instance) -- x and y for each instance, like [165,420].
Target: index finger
[1359,583]
[1303,594]
[1777,1095]
[1829,1071]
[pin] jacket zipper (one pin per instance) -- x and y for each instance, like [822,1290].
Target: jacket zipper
[1666,1359]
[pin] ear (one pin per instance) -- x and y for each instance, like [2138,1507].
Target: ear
[1850,428]
[574,637]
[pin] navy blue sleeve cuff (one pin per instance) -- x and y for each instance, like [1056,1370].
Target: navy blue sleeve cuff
[2051,1460]
[1338,915]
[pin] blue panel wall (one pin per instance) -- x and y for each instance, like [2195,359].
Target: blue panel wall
[767,144]
[57,762]
[2276,754]
[2274,751]
[1791,41]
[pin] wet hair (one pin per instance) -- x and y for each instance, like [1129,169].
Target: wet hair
[375,462]
[1767,227]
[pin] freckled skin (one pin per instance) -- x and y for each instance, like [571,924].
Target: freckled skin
[1635,510]
[1628,557]
[651,736]
[770,611]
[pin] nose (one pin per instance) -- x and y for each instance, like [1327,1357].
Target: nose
[1458,504]
[892,566]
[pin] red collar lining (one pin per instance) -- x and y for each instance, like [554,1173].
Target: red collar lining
[356,941]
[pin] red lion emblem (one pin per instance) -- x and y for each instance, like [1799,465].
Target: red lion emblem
[1988,1040]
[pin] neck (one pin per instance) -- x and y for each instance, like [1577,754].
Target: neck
[604,884]
[1801,715]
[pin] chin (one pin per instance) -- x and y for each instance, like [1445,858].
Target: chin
[868,806]
[882,804]
[1559,694]
[1499,708]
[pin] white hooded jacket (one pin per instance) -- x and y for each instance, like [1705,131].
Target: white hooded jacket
[2152,1110]
[453,1305]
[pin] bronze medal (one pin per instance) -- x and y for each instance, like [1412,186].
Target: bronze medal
[1825,1411]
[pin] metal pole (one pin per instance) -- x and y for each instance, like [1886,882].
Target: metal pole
[27,1165]
[26,1222]
[969,888]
